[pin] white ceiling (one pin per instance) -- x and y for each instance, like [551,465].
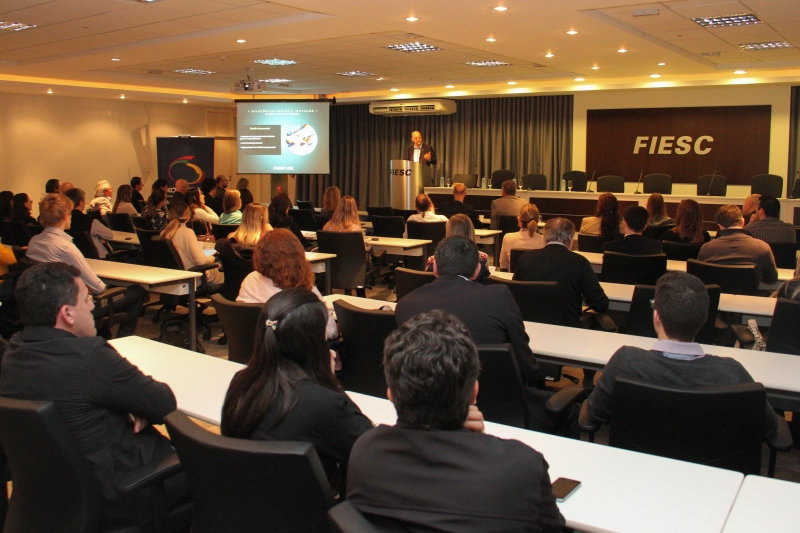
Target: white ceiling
[71,48]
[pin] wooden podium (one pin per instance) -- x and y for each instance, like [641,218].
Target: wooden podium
[407,181]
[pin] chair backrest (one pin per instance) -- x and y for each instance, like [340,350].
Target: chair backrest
[236,268]
[95,214]
[345,518]
[363,333]
[719,187]
[120,222]
[592,243]
[470,180]
[507,224]
[767,185]
[433,231]
[239,322]
[610,184]
[349,267]
[578,178]
[640,314]
[84,243]
[657,183]
[379,211]
[405,213]
[732,279]
[680,251]
[304,218]
[538,301]
[655,232]
[55,488]
[785,254]
[321,221]
[141,222]
[709,334]
[633,269]
[221,231]
[166,252]
[388,226]
[246,486]
[407,280]
[15,233]
[149,254]
[499,176]
[534,182]
[718,426]
[796,189]
[304,204]
[514,257]
[784,335]
[500,396]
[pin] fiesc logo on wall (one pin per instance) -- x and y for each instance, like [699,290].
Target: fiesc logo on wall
[668,144]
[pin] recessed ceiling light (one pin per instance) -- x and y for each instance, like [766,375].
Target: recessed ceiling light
[15,26]
[449,86]
[394,89]
[276,80]
[194,71]
[655,75]
[548,54]
[742,19]
[501,8]
[580,79]
[240,41]
[412,19]
[511,83]
[275,62]
[595,67]
[49,91]
[413,47]
[765,46]
[378,79]
[572,32]
[116,59]
[740,72]
[185,101]
[355,74]
[489,63]
[662,64]
[491,40]
[122,97]
[622,50]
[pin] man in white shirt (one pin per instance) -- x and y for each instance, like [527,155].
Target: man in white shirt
[425,213]
[421,153]
[102,198]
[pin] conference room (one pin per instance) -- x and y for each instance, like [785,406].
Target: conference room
[568,102]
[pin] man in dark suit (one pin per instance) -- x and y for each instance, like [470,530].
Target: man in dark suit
[457,206]
[480,483]
[634,222]
[420,153]
[82,222]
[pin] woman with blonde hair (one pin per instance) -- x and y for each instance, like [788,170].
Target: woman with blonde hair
[345,218]
[255,224]
[123,203]
[330,201]
[461,224]
[280,263]
[231,205]
[243,186]
[527,238]
[185,242]
[688,225]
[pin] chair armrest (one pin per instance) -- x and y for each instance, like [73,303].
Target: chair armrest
[150,473]
[743,334]
[605,322]
[203,268]
[110,293]
[378,254]
[120,255]
[348,516]
[585,422]
[782,440]
[314,249]
[564,398]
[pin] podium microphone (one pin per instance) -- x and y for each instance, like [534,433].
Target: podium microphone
[589,188]
[638,182]
[710,183]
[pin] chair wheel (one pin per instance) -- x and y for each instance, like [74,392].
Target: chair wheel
[223,340]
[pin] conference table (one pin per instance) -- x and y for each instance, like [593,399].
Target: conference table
[765,504]
[622,491]
[490,236]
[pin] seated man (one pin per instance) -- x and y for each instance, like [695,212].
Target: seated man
[181,188]
[435,470]
[735,246]
[634,222]
[768,226]
[749,208]
[508,204]
[102,198]
[105,401]
[82,222]
[680,309]
[53,244]
[425,213]
[457,206]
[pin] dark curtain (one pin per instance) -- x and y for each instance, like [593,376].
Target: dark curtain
[531,134]
[794,141]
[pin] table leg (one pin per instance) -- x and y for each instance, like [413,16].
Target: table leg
[192,316]
[496,249]
[328,277]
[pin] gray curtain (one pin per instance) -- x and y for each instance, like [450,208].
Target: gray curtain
[794,141]
[531,134]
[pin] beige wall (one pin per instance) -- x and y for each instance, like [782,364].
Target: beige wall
[778,96]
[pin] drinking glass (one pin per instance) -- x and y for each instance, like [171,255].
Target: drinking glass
[569,185]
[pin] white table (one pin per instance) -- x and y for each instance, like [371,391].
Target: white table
[490,236]
[132,239]
[765,504]
[321,263]
[397,246]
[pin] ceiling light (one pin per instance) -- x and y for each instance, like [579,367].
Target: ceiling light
[275,62]
[240,41]
[355,73]
[185,101]
[572,32]
[742,19]
[394,89]
[489,63]
[491,40]
[765,46]
[449,86]
[378,79]
[511,83]
[655,75]
[622,50]
[413,47]
[122,97]
[196,72]
[115,59]
[645,12]
[15,26]
[501,8]
[595,67]
[710,54]
[662,64]
[548,54]
[276,80]
[580,79]
[412,19]
[49,91]
[740,72]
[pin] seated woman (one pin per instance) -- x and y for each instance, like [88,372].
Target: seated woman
[289,391]
[123,203]
[330,201]
[461,224]
[185,242]
[202,215]
[658,211]
[345,218]
[426,212]
[243,186]
[242,242]
[156,209]
[688,225]
[607,221]
[280,263]
[279,217]
[527,238]
[21,205]
[231,205]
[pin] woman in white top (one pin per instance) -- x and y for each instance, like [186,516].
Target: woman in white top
[123,203]
[185,242]
[527,238]
[425,213]
[200,211]
[102,197]
[280,263]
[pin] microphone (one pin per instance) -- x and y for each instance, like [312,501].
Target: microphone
[710,183]
[589,188]
[638,182]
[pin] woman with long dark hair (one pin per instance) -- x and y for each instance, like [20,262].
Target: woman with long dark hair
[21,205]
[156,209]
[123,203]
[288,390]
[606,221]
[279,217]
[688,225]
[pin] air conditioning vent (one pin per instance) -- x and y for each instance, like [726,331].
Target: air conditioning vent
[411,107]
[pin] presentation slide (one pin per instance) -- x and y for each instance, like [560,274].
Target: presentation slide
[283,137]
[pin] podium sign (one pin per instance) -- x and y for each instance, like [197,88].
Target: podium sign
[408,179]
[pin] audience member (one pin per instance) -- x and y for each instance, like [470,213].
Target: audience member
[457,206]
[160,184]
[509,204]
[330,201]
[527,238]
[107,404]
[606,221]
[288,390]
[750,207]
[102,197]
[460,224]
[435,470]
[51,186]
[657,211]
[688,225]
[124,204]
[221,184]
[136,195]
[21,205]
[202,215]
[181,188]
[243,186]
[425,212]
[279,217]
[634,222]
[5,204]
[186,244]
[156,210]
[345,217]
[209,189]
[243,240]
[767,225]
[231,205]
[81,222]
[734,246]
[64,187]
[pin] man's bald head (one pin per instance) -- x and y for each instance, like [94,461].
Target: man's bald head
[751,203]
[182,186]
[459,191]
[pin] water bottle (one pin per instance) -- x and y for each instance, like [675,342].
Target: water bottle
[483,183]
[441,181]
[563,185]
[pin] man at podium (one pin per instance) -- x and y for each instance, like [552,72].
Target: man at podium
[420,153]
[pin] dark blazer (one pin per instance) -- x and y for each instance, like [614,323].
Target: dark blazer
[490,313]
[460,208]
[291,225]
[412,479]
[633,245]
[577,281]
[81,222]
[214,203]
[138,200]
[424,149]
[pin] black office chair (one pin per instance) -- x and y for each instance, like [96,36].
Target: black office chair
[632,269]
[507,224]
[655,232]
[796,189]
[718,426]
[578,178]
[304,204]
[732,279]
[321,221]
[304,218]
[141,223]
[432,231]
[767,185]
[239,321]
[379,211]
[783,335]
[640,315]
[470,180]
[405,213]
[345,518]
[236,266]
[785,254]
[391,226]
[95,214]
[534,182]
[592,243]
[407,280]
[514,258]
[149,254]
[363,334]
[17,233]
[248,486]
[85,245]
[349,267]
[55,487]
[657,183]
[499,176]
[120,222]
[680,251]
[717,184]
[221,231]
[610,184]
